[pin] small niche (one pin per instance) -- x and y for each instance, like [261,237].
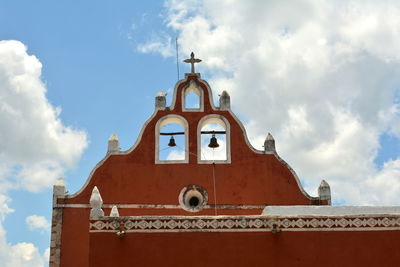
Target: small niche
[192,100]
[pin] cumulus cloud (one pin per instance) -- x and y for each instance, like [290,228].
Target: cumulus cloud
[322,76]
[162,44]
[36,146]
[176,155]
[35,222]
[21,254]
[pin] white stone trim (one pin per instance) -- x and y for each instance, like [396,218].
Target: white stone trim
[163,206]
[221,120]
[330,210]
[249,230]
[156,224]
[138,140]
[246,139]
[167,119]
[208,88]
[108,155]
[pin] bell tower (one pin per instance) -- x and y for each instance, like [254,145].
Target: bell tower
[191,158]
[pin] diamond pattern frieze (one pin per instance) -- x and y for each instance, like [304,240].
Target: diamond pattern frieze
[232,223]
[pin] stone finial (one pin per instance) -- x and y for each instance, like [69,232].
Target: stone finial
[59,187]
[161,101]
[269,144]
[224,101]
[113,144]
[96,202]
[324,191]
[114,212]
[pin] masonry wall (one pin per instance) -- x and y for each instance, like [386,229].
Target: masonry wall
[251,179]
[324,248]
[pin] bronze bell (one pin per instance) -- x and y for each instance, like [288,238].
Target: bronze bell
[213,142]
[172,142]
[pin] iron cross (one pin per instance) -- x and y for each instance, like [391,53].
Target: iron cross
[192,60]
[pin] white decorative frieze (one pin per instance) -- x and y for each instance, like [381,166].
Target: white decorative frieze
[244,224]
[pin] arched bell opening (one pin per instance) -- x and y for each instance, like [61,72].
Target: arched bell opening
[214,140]
[171,140]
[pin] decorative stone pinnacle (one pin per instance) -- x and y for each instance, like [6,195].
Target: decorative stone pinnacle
[161,101]
[113,137]
[95,198]
[59,187]
[96,202]
[269,144]
[114,212]
[324,184]
[224,101]
[192,61]
[324,191]
[113,144]
[59,182]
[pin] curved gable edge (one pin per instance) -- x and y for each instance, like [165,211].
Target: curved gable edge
[292,171]
[128,151]
[172,106]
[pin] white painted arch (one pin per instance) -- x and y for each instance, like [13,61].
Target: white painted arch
[171,118]
[221,120]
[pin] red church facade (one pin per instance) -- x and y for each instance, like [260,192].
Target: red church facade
[246,208]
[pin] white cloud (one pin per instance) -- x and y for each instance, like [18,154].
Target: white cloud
[162,44]
[322,76]
[176,155]
[21,254]
[4,208]
[208,153]
[37,222]
[36,147]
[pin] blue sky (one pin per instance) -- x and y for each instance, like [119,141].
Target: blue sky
[93,72]
[327,92]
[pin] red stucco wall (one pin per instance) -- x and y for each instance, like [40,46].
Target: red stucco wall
[133,178]
[328,249]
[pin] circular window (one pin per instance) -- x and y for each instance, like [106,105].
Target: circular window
[193,198]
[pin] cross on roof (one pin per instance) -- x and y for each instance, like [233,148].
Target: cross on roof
[192,60]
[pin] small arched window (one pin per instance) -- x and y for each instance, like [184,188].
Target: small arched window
[213,140]
[171,140]
[192,98]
